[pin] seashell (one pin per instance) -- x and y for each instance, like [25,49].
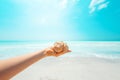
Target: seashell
[58,46]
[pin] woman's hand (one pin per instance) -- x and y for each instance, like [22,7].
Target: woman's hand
[59,48]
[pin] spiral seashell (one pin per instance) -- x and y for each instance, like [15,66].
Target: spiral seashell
[58,47]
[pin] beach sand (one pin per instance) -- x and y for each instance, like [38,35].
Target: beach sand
[72,68]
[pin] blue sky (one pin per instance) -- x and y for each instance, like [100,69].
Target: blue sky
[60,20]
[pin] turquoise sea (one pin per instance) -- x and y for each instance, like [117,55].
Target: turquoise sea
[98,49]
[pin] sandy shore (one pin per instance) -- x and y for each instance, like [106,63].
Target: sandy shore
[72,68]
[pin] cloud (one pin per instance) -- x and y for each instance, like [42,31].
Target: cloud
[97,5]
[65,3]
[103,6]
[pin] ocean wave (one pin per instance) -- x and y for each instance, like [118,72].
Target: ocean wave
[82,49]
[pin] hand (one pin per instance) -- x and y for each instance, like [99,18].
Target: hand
[59,48]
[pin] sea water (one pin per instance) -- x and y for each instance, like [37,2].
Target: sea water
[98,49]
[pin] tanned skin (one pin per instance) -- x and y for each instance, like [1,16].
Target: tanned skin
[11,67]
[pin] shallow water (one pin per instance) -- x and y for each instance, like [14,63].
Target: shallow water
[108,50]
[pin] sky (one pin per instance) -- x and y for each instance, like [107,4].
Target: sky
[81,20]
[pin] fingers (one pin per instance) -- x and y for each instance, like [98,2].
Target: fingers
[50,52]
[58,54]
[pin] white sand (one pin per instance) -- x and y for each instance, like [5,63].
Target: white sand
[72,68]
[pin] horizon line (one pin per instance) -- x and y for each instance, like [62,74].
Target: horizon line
[49,40]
